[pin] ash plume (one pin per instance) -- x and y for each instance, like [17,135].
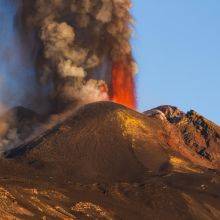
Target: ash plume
[68,53]
[78,41]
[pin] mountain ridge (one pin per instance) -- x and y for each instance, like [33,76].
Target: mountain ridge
[106,161]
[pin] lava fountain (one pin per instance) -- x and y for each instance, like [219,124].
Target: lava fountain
[122,85]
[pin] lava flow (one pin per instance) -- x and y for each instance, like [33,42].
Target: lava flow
[123,86]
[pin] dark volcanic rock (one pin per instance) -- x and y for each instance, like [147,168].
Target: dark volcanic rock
[109,162]
[172,114]
[198,133]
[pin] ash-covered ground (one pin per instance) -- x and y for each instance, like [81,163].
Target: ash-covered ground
[106,161]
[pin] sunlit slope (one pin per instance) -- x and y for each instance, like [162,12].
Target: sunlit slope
[106,141]
[108,162]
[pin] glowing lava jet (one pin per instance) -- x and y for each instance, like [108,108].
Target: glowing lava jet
[122,85]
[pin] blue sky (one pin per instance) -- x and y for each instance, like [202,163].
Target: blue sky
[11,65]
[16,64]
[177,47]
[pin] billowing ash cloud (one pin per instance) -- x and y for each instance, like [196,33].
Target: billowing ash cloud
[63,54]
[77,42]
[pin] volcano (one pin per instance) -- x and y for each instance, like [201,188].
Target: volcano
[106,161]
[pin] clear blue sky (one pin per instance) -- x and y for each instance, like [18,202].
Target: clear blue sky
[177,47]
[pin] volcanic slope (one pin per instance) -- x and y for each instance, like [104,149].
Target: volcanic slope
[108,162]
[103,141]
[199,134]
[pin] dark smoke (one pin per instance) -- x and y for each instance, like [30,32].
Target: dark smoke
[77,42]
[66,50]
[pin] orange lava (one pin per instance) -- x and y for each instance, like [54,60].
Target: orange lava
[122,85]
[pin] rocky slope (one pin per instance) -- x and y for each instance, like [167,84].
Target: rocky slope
[198,133]
[110,162]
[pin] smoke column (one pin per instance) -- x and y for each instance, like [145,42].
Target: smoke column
[83,49]
[57,55]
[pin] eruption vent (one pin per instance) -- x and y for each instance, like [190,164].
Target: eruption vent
[82,43]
